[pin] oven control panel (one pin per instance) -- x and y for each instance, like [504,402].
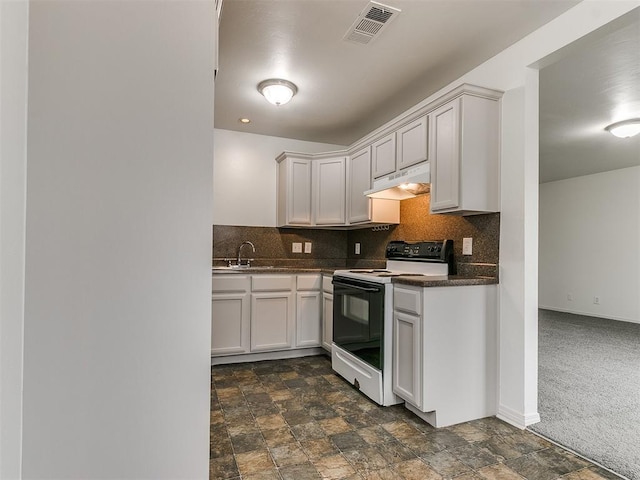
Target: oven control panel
[427,251]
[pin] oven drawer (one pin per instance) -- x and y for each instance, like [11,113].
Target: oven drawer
[407,300]
[351,368]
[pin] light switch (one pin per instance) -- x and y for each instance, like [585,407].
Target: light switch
[307,247]
[467,246]
[357,249]
[296,247]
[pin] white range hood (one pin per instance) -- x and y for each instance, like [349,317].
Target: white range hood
[407,183]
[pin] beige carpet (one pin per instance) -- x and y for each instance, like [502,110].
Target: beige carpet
[589,388]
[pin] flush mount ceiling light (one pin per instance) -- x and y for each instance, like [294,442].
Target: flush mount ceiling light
[277,91]
[625,129]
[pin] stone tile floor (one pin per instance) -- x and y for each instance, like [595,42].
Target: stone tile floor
[297,420]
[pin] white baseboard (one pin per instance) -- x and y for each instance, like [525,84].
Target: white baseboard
[258,357]
[589,314]
[517,419]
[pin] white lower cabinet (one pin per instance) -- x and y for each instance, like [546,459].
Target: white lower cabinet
[407,357]
[308,310]
[265,313]
[444,355]
[327,312]
[272,316]
[272,312]
[230,314]
[308,331]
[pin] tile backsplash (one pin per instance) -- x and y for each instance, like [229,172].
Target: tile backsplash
[273,246]
[416,223]
[336,248]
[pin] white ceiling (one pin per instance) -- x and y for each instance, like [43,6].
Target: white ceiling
[597,83]
[347,90]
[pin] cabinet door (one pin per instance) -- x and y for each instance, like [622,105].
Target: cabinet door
[272,321]
[359,181]
[230,323]
[330,192]
[412,143]
[407,358]
[308,324]
[444,154]
[295,191]
[383,156]
[327,320]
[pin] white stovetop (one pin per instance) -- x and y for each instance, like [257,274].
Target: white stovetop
[396,268]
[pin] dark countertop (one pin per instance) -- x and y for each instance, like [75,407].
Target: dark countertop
[258,269]
[417,281]
[445,281]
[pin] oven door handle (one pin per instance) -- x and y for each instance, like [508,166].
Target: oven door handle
[356,287]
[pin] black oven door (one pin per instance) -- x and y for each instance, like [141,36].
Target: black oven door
[358,318]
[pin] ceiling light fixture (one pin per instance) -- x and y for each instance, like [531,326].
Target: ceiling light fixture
[277,91]
[244,120]
[625,129]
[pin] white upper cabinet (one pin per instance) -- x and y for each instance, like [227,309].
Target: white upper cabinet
[329,190]
[400,149]
[294,191]
[359,181]
[445,149]
[457,133]
[464,151]
[360,208]
[412,143]
[383,156]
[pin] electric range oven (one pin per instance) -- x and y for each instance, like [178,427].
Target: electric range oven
[363,314]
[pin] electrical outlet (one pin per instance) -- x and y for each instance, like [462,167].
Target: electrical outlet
[570,297]
[357,249]
[596,300]
[307,247]
[467,246]
[296,247]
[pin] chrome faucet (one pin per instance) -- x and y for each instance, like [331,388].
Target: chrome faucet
[239,260]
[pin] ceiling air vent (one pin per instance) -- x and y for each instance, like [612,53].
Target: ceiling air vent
[370,23]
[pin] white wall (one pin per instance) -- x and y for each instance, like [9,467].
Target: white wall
[14,18]
[244,175]
[118,249]
[590,244]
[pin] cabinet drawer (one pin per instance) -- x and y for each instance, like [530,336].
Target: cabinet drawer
[407,300]
[309,282]
[271,283]
[230,283]
[327,286]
